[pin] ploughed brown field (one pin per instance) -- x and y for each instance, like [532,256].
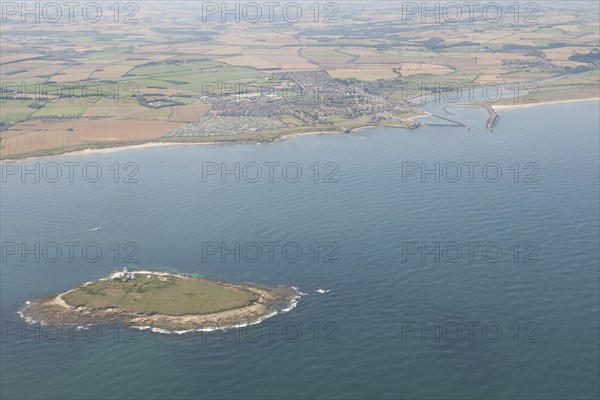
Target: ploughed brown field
[161,76]
[38,135]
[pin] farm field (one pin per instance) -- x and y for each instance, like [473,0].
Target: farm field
[63,87]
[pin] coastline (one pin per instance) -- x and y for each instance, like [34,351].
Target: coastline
[270,301]
[293,135]
[541,103]
[92,151]
[153,143]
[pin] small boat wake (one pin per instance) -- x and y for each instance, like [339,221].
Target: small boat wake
[98,228]
[322,291]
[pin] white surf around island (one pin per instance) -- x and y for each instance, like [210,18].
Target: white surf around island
[293,303]
[289,306]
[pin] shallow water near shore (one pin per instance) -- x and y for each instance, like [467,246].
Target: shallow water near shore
[363,338]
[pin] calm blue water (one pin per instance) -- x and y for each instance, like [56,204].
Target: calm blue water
[369,340]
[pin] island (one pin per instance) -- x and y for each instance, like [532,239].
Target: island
[161,300]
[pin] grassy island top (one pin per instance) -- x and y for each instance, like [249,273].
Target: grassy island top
[161,294]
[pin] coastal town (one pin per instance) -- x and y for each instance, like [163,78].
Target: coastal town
[295,98]
[234,83]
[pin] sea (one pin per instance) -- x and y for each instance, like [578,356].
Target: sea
[435,263]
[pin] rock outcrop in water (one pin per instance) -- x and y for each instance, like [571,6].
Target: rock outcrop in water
[161,300]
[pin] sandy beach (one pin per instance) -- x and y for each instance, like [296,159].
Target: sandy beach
[163,144]
[283,137]
[114,150]
[529,105]
[292,135]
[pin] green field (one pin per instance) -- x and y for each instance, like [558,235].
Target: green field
[15,110]
[325,51]
[168,295]
[551,95]
[590,78]
[184,79]
[55,111]
[336,118]
[155,69]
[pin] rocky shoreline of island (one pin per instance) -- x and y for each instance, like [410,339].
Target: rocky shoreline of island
[61,309]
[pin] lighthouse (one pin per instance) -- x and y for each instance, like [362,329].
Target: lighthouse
[127,275]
